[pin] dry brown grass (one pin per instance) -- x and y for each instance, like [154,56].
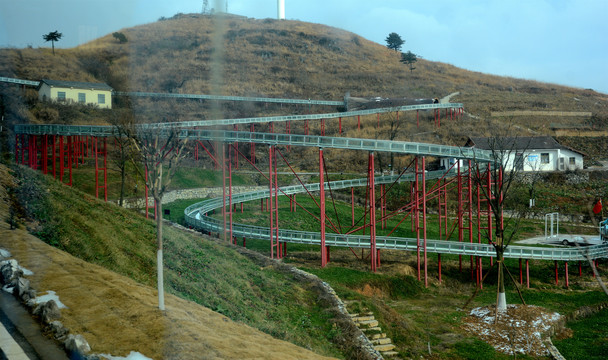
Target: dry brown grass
[117,315]
[294,59]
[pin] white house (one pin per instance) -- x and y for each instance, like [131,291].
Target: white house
[536,153]
[99,94]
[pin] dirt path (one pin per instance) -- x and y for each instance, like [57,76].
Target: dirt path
[445,100]
[116,315]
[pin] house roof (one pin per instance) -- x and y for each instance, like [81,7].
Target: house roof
[518,143]
[75,84]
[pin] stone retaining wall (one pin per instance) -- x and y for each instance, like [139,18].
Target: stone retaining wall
[199,193]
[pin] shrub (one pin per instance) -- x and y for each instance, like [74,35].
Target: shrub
[120,37]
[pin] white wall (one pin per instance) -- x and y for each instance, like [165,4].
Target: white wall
[533,161]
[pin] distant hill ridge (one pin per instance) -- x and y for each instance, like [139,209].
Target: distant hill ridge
[286,59]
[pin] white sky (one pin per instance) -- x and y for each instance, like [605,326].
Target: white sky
[557,41]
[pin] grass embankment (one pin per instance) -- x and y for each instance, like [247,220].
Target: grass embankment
[414,316]
[196,268]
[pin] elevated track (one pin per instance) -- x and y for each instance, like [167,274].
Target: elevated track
[29,136]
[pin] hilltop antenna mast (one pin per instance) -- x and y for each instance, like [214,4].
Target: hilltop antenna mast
[281,9]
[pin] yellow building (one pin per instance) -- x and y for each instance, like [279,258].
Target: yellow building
[99,94]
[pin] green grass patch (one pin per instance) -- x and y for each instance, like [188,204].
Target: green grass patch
[589,340]
[196,268]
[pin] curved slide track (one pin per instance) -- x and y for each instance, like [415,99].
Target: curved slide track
[196,214]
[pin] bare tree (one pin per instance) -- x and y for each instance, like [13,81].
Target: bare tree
[123,151]
[495,181]
[159,152]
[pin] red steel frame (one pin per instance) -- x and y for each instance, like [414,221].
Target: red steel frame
[75,148]
[227,210]
[324,249]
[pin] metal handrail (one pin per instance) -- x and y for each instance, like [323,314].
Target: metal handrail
[195,217]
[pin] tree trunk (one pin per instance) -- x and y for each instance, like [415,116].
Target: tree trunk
[501,300]
[159,252]
[122,184]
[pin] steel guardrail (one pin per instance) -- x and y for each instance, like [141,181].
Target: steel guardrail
[251,120]
[270,119]
[229,98]
[401,147]
[19,81]
[195,217]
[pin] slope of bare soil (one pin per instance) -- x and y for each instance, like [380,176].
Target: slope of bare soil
[116,315]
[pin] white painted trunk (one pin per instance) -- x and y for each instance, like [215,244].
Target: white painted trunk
[161,288]
[502,301]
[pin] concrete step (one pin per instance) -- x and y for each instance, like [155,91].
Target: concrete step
[367,323]
[362,318]
[389,353]
[377,336]
[383,348]
[376,328]
[382,341]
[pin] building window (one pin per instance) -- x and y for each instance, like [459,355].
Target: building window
[82,97]
[60,95]
[572,161]
[544,158]
[101,98]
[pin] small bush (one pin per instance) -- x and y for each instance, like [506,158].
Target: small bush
[120,37]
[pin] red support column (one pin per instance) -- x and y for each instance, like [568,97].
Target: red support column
[566,271]
[23,149]
[54,158]
[227,205]
[104,152]
[322,208]
[556,276]
[382,207]
[460,213]
[252,146]
[438,118]
[270,187]
[61,158]
[521,278]
[426,283]
[439,265]
[470,214]
[416,200]
[96,168]
[358,122]
[273,205]
[236,153]
[580,269]
[105,169]
[527,274]
[70,157]
[352,206]
[480,271]
[372,213]
[44,155]
[595,265]
[340,125]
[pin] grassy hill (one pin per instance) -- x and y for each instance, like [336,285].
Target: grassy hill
[197,268]
[232,55]
[273,58]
